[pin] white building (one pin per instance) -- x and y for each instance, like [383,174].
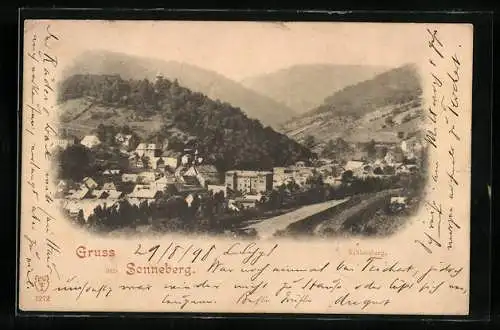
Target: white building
[171,162]
[185,159]
[90,141]
[124,139]
[353,165]
[89,183]
[142,192]
[61,143]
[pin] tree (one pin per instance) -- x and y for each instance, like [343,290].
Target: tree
[292,186]
[127,213]
[101,132]
[76,162]
[347,176]
[170,190]
[381,152]
[315,180]
[341,144]
[329,149]
[126,129]
[80,220]
[389,121]
[273,202]
[370,148]
[389,170]
[144,212]
[309,141]
[145,161]
[218,201]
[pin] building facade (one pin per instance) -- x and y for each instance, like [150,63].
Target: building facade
[249,181]
[149,150]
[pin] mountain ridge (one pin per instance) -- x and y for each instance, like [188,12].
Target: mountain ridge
[378,109]
[305,86]
[197,79]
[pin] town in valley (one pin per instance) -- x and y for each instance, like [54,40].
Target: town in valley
[115,176]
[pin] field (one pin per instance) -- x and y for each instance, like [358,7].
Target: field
[370,126]
[81,116]
[354,219]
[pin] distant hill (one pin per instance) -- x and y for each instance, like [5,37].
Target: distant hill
[376,109]
[304,87]
[163,110]
[210,83]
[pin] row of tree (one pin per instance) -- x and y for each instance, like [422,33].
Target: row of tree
[210,212]
[169,212]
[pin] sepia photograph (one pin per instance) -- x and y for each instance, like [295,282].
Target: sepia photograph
[245,167]
[260,144]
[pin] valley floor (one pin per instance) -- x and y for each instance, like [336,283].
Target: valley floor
[363,214]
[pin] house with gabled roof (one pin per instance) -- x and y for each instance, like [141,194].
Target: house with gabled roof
[81,193]
[188,180]
[89,183]
[205,174]
[113,194]
[147,177]
[111,172]
[208,174]
[142,191]
[62,186]
[98,193]
[164,181]
[109,186]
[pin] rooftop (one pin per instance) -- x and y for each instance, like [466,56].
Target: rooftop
[148,146]
[249,173]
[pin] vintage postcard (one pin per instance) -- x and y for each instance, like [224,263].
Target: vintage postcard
[245,167]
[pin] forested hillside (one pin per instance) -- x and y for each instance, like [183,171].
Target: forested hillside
[382,109]
[219,131]
[212,84]
[397,86]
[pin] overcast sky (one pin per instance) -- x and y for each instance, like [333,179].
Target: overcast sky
[241,49]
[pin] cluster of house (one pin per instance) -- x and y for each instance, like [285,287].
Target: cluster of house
[151,171]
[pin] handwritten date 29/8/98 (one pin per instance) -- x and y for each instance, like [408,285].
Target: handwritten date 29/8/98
[250,253]
[175,252]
